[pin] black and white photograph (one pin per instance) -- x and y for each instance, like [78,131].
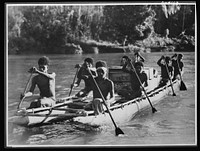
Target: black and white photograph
[100,74]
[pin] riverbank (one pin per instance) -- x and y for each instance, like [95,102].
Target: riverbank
[148,45]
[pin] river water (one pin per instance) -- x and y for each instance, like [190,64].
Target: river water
[173,125]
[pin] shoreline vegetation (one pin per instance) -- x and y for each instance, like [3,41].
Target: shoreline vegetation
[64,29]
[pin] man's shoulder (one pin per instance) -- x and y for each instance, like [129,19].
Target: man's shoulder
[35,78]
[51,72]
[144,73]
[109,80]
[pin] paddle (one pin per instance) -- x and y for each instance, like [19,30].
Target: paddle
[72,85]
[117,129]
[170,79]
[183,86]
[153,109]
[21,99]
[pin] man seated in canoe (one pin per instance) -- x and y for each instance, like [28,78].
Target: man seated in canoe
[167,70]
[124,62]
[137,58]
[45,82]
[106,87]
[83,74]
[136,89]
[177,64]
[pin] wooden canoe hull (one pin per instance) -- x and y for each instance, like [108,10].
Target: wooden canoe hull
[125,112]
[121,113]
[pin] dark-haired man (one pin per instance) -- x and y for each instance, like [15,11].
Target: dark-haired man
[135,83]
[83,74]
[106,86]
[45,82]
[178,65]
[167,70]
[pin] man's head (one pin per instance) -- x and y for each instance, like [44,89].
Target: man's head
[88,62]
[138,66]
[43,63]
[124,60]
[101,63]
[180,56]
[168,60]
[101,72]
[137,53]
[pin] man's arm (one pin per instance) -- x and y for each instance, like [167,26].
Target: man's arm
[181,68]
[142,58]
[124,68]
[79,77]
[112,92]
[172,72]
[159,61]
[31,90]
[48,75]
[146,81]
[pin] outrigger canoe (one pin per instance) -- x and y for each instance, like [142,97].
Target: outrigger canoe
[122,110]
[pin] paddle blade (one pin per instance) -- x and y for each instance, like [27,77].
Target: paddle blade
[183,87]
[118,131]
[154,110]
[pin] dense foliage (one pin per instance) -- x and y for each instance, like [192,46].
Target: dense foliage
[55,29]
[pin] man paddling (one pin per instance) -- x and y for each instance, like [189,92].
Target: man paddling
[83,74]
[136,89]
[178,65]
[137,58]
[166,66]
[45,82]
[105,85]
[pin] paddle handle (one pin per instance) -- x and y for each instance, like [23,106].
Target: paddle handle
[104,101]
[73,81]
[21,100]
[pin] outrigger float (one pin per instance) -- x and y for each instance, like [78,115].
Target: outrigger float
[122,110]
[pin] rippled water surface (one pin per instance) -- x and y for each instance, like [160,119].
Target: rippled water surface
[173,124]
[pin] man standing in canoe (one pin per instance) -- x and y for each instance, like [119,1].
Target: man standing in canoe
[45,82]
[83,74]
[105,85]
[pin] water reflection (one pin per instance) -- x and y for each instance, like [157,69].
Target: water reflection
[41,134]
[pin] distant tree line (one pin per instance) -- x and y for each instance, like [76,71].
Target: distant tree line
[48,28]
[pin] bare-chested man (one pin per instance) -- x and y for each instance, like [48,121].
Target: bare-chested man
[107,89]
[45,82]
[83,74]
